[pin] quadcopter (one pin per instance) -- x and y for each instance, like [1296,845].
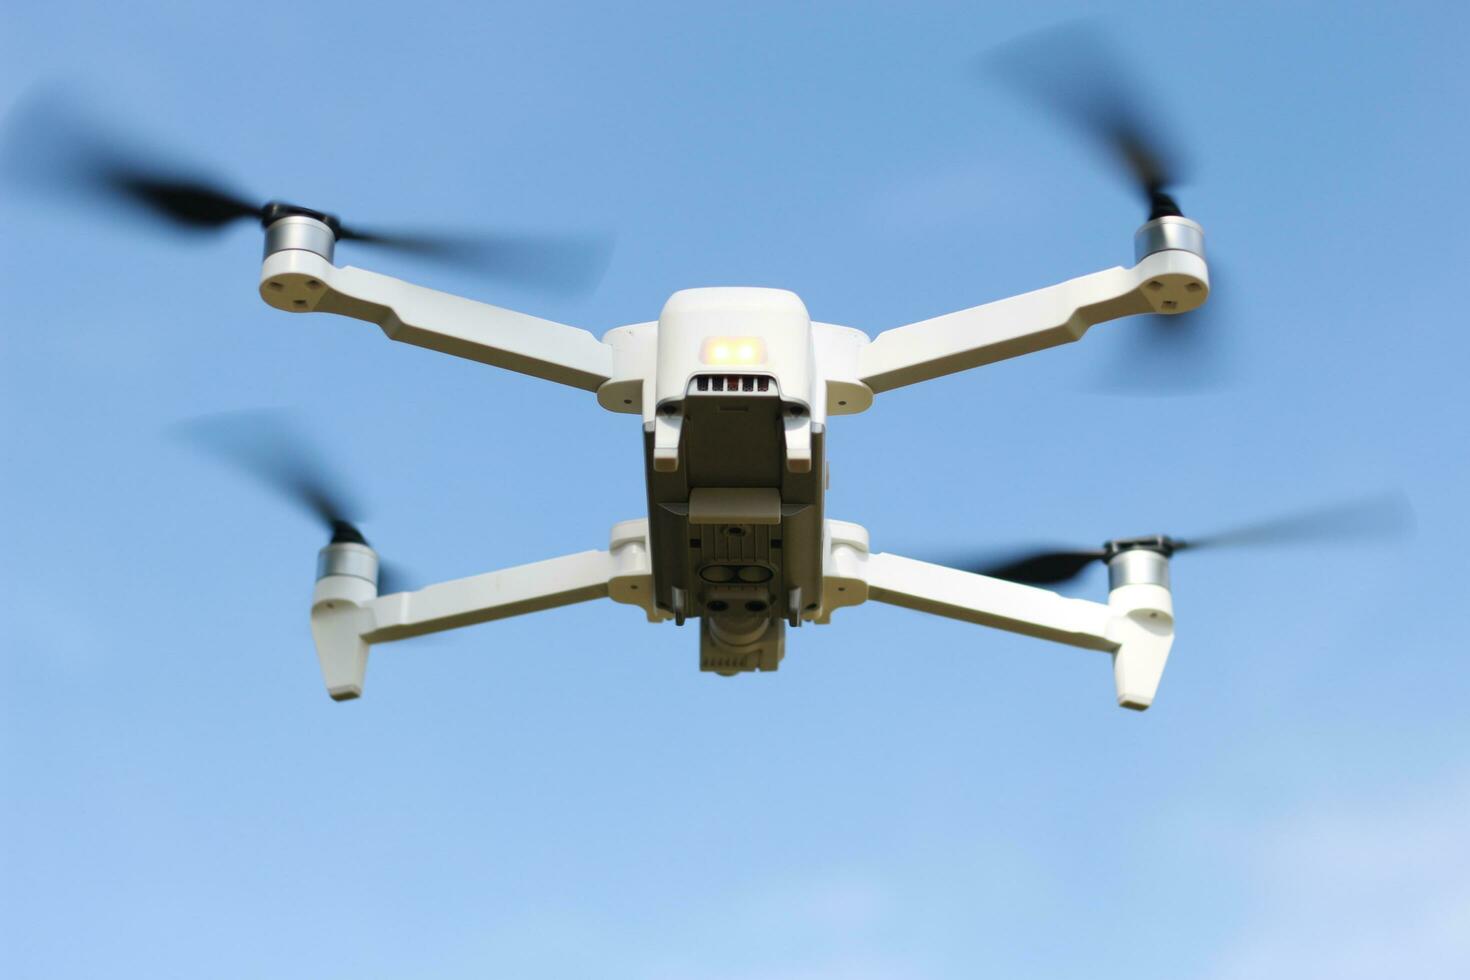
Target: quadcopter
[734,389]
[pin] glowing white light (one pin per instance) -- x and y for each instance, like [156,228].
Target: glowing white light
[730,351]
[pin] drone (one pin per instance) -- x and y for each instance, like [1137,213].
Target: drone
[734,389]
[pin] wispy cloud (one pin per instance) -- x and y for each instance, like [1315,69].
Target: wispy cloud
[1362,890]
[824,926]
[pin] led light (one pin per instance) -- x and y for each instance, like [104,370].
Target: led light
[727,351]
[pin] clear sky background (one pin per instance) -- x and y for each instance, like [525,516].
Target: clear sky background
[565,795]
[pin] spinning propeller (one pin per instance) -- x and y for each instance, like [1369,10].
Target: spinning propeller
[270,449]
[1384,515]
[51,145]
[1073,73]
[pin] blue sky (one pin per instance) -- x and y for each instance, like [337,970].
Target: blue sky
[564,794]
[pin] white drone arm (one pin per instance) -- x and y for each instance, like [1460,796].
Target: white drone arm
[1136,625]
[301,281]
[1168,281]
[348,616]
[494,595]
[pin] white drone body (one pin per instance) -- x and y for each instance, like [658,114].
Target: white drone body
[735,387]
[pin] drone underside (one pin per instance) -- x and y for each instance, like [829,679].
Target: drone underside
[735,387]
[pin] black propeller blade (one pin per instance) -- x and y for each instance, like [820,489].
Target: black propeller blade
[189,202]
[554,263]
[392,578]
[51,144]
[1379,516]
[1175,355]
[270,448]
[1043,567]
[1073,72]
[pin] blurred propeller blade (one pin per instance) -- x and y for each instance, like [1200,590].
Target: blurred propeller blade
[1074,72]
[1183,354]
[188,202]
[269,447]
[1379,516]
[565,263]
[52,144]
[1043,568]
[393,578]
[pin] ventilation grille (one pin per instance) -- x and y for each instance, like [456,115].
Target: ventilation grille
[752,383]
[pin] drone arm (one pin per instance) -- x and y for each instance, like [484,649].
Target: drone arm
[1032,321]
[494,595]
[299,281]
[1136,625]
[986,601]
[348,617]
